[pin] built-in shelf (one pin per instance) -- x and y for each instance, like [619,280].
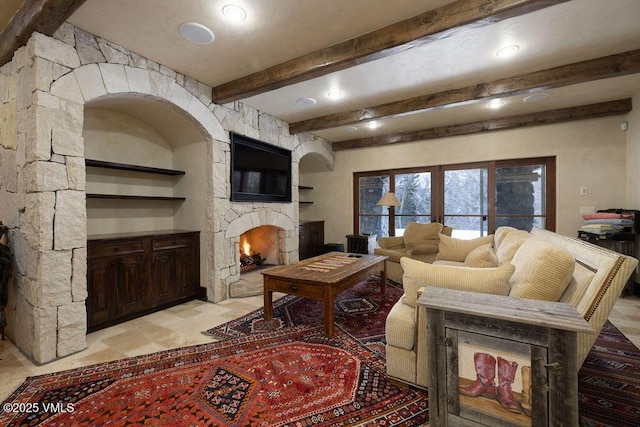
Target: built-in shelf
[133,168]
[125,197]
[305,187]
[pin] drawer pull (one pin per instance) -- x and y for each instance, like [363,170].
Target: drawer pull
[293,287]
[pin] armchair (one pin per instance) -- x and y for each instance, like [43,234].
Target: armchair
[419,242]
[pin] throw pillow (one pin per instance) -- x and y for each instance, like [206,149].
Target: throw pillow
[452,249]
[510,245]
[416,233]
[485,280]
[481,257]
[500,234]
[543,271]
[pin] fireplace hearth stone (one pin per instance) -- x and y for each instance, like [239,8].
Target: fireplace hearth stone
[250,284]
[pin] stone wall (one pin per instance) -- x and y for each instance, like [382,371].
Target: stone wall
[43,91]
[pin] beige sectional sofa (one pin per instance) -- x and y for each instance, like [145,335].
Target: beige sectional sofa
[419,242]
[537,265]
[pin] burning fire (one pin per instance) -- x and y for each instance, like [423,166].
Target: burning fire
[246,247]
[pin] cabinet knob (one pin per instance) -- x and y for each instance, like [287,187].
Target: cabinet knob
[293,287]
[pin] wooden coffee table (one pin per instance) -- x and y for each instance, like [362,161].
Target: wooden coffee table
[322,278]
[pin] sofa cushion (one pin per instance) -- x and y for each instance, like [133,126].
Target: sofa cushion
[420,234]
[452,249]
[543,270]
[500,234]
[510,244]
[485,280]
[482,257]
[400,327]
[423,249]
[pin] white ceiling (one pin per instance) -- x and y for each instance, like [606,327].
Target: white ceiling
[279,30]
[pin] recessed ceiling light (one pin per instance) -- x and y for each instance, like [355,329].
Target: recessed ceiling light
[373,125]
[495,104]
[536,97]
[508,51]
[334,94]
[197,33]
[234,12]
[305,102]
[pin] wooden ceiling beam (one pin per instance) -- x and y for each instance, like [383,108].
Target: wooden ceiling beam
[43,16]
[604,109]
[436,24]
[595,69]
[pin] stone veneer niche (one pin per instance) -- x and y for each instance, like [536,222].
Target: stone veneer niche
[43,93]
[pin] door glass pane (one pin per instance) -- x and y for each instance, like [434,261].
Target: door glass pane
[467,227]
[413,190]
[373,219]
[520,196]
[521,223]
[465,202]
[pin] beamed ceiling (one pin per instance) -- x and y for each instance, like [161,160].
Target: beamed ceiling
[420,69]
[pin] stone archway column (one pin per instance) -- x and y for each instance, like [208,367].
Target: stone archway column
[48,314]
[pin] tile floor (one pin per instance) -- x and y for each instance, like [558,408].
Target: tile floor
[181,326]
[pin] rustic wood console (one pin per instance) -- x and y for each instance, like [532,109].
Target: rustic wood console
[132,274]
[522,354]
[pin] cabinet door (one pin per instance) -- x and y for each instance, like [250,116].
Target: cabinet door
[185,272]
[102,275]
[164,288]
[316,237]
[303,242]
[131,284]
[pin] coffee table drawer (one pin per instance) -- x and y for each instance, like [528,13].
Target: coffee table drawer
[301,290]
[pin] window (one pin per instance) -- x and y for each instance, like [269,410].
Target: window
[372,219]
[413,190]
[473,199]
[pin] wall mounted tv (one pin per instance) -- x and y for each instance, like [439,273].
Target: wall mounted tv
[260,172]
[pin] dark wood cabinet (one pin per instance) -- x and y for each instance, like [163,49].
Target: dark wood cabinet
[174,267]
[311,238]
[132,274]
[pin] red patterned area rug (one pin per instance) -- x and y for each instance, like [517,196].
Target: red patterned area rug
[292,377]
[360,311]
[609,381]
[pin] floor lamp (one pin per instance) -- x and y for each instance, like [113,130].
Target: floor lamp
[391,201]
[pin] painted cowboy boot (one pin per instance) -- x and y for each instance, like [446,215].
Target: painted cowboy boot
[506,375]
[484,385]
[526,390]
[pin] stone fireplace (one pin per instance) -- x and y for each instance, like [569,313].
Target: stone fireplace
[259,247]
[270,231]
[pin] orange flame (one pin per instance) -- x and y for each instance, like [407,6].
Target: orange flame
[246,248]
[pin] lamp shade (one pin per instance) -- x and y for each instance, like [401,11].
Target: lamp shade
[389,199]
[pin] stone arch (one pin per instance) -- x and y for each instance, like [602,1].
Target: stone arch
[93,81]
[319,148]
[255,219]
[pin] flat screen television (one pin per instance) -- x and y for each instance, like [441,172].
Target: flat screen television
[260,172]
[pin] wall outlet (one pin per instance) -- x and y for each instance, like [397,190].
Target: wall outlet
[584,191]
[587,209]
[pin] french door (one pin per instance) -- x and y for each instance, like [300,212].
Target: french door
[474,199]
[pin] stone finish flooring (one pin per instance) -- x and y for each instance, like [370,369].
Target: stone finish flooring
[181,326]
